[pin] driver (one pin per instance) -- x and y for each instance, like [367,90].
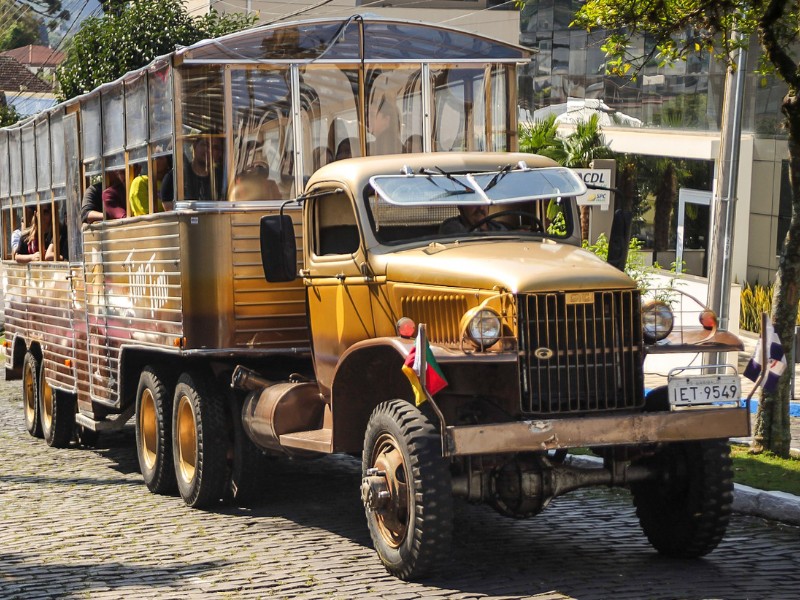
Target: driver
[469,215]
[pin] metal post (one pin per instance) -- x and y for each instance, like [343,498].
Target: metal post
[719,272]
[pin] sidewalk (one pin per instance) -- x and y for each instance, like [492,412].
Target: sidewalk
[776,506]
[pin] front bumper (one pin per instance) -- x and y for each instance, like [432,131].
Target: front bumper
[644,428]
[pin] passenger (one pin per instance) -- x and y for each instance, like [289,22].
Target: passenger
[92,205]
[384,124]
[207,159]
[27,249]
[255,184]
[140,194]
[114,196]
[15,235]
[344,150]
[469,215]
[322,156]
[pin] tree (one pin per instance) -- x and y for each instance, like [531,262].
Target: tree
[106,48]
[8,114]
[576,150]
[19,25]
[47,9]
[677,28]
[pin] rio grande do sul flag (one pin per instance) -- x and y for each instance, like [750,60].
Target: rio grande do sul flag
[418,359]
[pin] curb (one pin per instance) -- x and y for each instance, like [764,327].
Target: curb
[774,506]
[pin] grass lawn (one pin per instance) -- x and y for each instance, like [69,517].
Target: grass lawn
[766,471]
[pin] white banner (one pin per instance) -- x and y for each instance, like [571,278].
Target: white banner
[599,177]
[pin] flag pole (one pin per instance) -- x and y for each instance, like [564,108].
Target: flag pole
[422,338]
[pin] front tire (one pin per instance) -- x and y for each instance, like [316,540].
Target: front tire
[56,413]
[685,511]
[406,490]
[30,394]
[154,433]
[199,440]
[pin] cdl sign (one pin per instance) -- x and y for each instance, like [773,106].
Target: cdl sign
[595,177]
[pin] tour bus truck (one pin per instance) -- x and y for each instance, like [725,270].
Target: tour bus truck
[279,298]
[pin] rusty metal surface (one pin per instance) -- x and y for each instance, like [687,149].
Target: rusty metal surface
[599,431]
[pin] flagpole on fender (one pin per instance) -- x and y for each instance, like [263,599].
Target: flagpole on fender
[422,338]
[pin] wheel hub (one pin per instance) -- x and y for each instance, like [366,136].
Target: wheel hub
[385,492]
[374,490]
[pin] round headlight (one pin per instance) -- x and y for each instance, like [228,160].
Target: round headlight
[657,320]
[482,327]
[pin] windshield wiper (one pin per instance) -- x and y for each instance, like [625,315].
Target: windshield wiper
[497,177]
[449,176]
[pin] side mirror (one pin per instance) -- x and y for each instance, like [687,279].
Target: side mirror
[620,239]
[278,248]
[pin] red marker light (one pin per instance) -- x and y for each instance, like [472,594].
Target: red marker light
[708,319]
[406,328]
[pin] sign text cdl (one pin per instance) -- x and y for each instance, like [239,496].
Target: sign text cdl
[595,177]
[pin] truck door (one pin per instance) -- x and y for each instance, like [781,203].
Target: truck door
[339,302]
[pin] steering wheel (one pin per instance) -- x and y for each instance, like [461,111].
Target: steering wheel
[536,223]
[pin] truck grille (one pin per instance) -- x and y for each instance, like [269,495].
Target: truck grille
[580,352]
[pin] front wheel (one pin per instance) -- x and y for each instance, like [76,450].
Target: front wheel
[684,512]
[199,440]
[30,394]
[406,490]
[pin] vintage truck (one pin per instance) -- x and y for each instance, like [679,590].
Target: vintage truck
[541,344]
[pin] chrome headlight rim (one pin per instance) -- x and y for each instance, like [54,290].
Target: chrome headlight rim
[483,327]
[658,321]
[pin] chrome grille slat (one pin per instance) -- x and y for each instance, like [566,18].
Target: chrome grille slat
[596,363]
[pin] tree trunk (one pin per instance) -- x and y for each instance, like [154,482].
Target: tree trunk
[665,199]
[772,430]
[585,218]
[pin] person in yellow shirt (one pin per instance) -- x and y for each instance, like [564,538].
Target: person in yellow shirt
[140,193]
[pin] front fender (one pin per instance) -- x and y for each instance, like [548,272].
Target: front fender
[368,373]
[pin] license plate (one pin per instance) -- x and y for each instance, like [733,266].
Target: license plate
[704,389]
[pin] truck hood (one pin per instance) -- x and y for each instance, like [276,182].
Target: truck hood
[516,265]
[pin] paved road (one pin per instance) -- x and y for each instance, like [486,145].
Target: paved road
[80,524]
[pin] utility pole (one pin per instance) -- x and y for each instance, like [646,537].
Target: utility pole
[724,202]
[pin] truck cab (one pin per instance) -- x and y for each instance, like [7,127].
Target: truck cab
[539,342]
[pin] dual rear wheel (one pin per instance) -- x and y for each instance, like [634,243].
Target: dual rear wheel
[49,413]
[186,439]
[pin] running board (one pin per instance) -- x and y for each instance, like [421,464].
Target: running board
[315,440]
[114,424]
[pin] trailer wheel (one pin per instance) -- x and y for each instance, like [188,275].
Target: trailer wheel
[685,511]
[406,490]
[56,413]
[154,432]
[199,440]
[30,394]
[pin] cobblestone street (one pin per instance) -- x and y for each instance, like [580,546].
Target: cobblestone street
[81,524]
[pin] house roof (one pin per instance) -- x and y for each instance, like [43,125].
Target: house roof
[14,77]
[36,56]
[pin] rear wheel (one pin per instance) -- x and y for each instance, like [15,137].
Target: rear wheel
[199,440]
[406,490]
[30,394]
[154,432]
[685,511]
[56,413]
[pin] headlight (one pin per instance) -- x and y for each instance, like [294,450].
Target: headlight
[482,326]
[657,320]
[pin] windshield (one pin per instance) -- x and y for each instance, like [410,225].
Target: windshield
[511,201]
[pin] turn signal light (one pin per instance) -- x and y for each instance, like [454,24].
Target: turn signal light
[406,328]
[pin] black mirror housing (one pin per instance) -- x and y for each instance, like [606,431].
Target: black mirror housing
[278,248]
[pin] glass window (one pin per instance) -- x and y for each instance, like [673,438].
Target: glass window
[200,164]
[460,101]
[159,88]
[15,162]
[43,154]
[136,111]
[3,165]
[58,167]
[91,133]
[28,160]
[262,138]
[329,109]
[113,121]
[394,109]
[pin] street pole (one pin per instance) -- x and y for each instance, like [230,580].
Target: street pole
[724,202]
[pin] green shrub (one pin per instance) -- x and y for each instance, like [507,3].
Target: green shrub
[756,299]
